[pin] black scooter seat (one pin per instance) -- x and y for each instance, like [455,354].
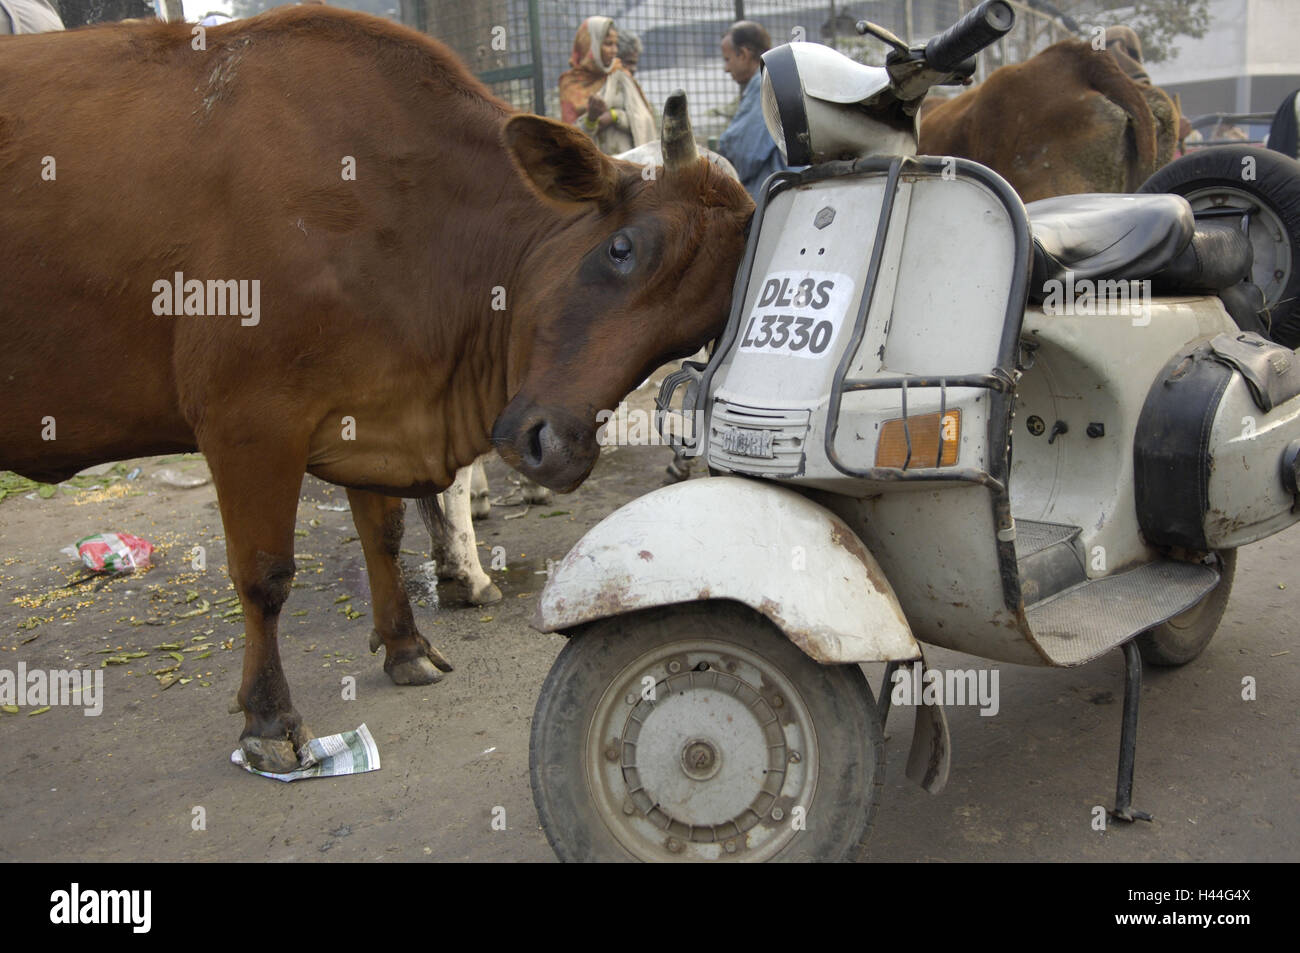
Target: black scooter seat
[1121,237]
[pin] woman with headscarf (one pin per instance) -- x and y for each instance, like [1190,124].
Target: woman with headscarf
[600,96]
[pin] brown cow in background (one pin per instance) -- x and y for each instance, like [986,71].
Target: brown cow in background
[1068,120]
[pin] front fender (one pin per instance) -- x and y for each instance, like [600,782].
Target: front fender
[733,538]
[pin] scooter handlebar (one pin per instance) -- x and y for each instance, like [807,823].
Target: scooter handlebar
[984,25]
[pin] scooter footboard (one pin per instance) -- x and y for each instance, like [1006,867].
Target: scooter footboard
[752,541]
[1217,446]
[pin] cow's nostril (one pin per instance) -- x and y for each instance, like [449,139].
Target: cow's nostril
[533,445]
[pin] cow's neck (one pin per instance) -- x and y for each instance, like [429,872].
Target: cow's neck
[503,240]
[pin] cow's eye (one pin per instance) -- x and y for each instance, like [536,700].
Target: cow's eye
[620,248]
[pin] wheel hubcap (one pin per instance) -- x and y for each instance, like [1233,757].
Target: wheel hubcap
[700,760]
[715,755]
[1272,268]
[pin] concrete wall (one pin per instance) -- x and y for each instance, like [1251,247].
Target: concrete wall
[1247,62]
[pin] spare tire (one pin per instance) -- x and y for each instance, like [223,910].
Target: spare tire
[1241,177]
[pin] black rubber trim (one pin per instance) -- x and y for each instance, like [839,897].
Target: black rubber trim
[1171,454]
[783,74]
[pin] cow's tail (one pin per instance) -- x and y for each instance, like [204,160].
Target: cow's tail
[435,520]
[1106,77]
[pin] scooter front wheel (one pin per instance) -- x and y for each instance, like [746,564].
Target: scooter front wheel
[698,732]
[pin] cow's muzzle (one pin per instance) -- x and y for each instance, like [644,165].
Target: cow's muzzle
[549,446]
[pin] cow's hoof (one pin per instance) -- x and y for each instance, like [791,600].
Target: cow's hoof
[275,755]
[676,472]
[416,671]
[533,493]
[485,596]
[480,507]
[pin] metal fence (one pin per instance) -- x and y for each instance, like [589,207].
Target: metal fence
[520,47]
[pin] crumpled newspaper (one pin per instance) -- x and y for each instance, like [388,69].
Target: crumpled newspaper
[352,752]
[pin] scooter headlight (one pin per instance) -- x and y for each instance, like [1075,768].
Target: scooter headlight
[813,100]
[784,110]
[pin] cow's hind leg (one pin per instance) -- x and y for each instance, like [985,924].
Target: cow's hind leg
[534,493]
[257,489]
[409,659]
[480,503]
[455,547]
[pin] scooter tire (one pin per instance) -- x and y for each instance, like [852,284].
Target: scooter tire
[1185,636]
[1275,185]
[849,746]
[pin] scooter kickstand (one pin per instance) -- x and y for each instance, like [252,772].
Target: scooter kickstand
[1128,737]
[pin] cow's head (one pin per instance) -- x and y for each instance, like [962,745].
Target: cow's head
[636,271]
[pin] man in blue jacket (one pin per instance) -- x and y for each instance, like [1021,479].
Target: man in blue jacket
[746,141]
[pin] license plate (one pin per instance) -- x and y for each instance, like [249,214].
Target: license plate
[748,443]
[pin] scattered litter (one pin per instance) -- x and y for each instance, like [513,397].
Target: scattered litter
[115,492]
[352,752]
[332,507]
[181,481]
[1283,652]
[115,552]
[201,608]
[134,474]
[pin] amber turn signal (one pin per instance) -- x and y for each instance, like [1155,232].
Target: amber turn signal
[912,442]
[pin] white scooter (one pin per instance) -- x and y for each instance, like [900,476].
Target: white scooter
[934,417]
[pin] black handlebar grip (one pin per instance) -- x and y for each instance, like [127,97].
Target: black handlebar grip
[984,25]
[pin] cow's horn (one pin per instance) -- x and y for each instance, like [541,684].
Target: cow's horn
[676,136]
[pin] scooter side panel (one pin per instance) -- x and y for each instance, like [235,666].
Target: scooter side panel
[1095,369]
[1248,501]
[937,547]
[731,538]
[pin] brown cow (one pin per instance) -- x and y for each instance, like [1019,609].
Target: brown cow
[1067,120]
[389,208]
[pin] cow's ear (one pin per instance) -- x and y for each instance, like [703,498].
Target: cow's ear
[559,162]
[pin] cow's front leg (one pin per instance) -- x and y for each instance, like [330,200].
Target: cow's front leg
[257,489]
[409,659]
[455,547]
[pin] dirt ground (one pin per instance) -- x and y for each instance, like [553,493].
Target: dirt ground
[1220,774]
